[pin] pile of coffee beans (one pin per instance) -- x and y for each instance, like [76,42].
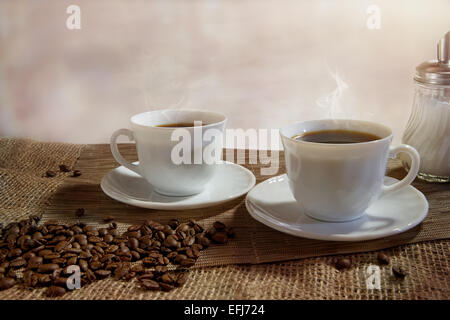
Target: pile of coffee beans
[46,253]
[62,168]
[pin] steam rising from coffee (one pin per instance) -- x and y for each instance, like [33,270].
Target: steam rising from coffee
[339,103]
[331,102]
[165,82]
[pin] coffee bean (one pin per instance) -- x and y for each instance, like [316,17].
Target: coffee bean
[230,232]
[50,173]
[113,225]
[44,279]
[60,281]
[76,246]
[37,235]
[135,255]
[133,243]
[146,276]
[148,284]
[343,263]
[102,273]
[64,168]
[160,269]
[189,241]
[47,268]
[18,262]
[5,265]
[181,279]
[167,278]
[187,262]
[98,249]
[44,252]
[11,274]
[219,226]
[179,258]
[112,248]
[220,237]
[52,256]
[195,252]
[198,228]
[171,242]
[14,253]
[76,173]
[174,223]
[61,245]
[79,212]
[112,266]
[55,291]
[72,261]
[72,252]
[139,268]
[79,238]
[190,253]
[204,241]
[108,219]
[108,238]
[399,272]
[149,262]
[96,265]
[94,239]
[183,227]
[88,277]
[166,287]
[30,279]
[6,283]
[35,262]
[121,271]
[83,265]
[383,258]
[211,232]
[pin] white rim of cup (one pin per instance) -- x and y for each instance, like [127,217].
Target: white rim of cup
[173,128]
[334,145]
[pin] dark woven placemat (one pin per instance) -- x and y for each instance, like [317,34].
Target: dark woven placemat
[255,242]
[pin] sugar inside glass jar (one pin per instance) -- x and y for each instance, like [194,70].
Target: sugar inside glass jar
[428,128]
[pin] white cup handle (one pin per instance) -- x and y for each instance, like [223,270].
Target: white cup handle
[413,170]
[115,150]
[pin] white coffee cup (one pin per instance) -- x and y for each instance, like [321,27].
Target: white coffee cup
[156,149]
[338,182]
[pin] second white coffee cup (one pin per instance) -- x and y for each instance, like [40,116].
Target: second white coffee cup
[338,182]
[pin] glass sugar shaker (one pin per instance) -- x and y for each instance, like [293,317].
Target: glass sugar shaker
[428,128]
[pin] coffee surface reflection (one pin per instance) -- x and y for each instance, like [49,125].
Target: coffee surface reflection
[336,136]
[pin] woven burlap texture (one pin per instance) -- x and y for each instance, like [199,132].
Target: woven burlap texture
[26,191]
[24,187]
[312,278]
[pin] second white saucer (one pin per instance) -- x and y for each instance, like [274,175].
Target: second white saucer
[271,203]
[229,182]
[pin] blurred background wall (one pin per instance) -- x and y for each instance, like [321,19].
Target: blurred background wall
[264,63]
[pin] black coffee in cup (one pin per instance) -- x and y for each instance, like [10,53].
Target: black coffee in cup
[336,136]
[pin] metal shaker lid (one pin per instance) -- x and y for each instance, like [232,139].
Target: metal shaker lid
[436,71]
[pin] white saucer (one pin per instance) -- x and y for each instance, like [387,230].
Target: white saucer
[229,182]
[271,203]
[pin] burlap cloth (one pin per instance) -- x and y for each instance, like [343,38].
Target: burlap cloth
[240,269]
